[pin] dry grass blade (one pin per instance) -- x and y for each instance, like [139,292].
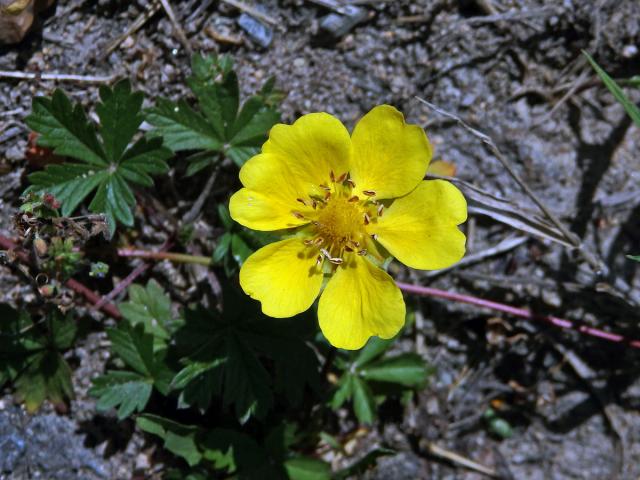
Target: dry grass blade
[569,236]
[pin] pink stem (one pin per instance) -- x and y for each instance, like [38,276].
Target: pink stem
[517,312]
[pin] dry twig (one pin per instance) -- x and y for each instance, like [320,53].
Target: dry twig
[182,37]
[59,77]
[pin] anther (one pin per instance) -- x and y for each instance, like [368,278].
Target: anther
[325,187]
[348,248]
[380,209]
[327,196]
[308,241]
[297,215]
[369,193]
[367,219]
[374,236]
[332,177]
[336,260]
[318,260]
[351,182]
[354,198]
[318,241]
[362,252]
[343,177]
[303,202]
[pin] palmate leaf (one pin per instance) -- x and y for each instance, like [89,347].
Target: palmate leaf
[222,353]
[130,390]
[30,355]
[106,161]
[370,372]
[219,124]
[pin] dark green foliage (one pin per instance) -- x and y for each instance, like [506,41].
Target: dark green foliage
[236,453]
[370,368]
[106,163]
[31,355]
[220,126]
[221,354]
[130,390]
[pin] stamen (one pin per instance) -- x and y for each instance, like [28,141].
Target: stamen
[318,260]
[351,182]
[354,199]
[332,177]
[380,209]
[374,236]
[327,196]
[336,260]
[297,214]
[348,248]
[308,241]
[343,177]
[362,252]
[367,219]
[318,241]
[369,193]
[301,201]
[325,187]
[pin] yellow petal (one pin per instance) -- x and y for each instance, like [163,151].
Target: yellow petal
[283,276]
[269,199]
[311,148]
[389,156]
[420,229]
[360,301]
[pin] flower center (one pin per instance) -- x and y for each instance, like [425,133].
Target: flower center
[339,219]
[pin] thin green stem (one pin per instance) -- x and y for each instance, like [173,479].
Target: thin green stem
[173,257]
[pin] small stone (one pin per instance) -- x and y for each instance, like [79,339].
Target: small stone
[629,51]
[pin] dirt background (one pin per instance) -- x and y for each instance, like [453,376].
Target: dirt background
[510,68]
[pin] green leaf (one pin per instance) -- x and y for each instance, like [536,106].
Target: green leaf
[222,248]
[179,439]
[344,391]
[107,164]
[128,391]
[150,306]
[233,451]
[135,348]
[239,249]
[408,369]
[634,257]
[30,356]
[305,468]
[631,108]
[373,349]
[230,367]
[218,124]
[246,383]
[221,356]
[47,376]
[364,404]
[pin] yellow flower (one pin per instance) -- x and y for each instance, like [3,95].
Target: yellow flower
[343,198]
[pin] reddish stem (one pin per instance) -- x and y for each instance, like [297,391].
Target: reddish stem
[517,312]
[108,308]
